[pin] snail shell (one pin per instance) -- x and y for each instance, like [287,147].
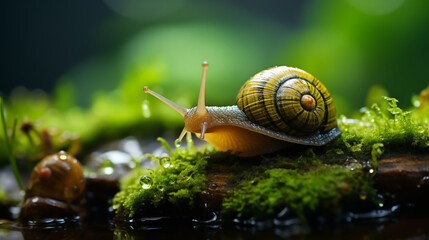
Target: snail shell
[276,108]
[58,176]
[55,189]
[288,100]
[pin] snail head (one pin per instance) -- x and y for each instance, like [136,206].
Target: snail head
[197,119]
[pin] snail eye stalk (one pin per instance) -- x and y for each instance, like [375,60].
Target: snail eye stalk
[170,103]
[201,107]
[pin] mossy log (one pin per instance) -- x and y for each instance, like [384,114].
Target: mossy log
[400,178]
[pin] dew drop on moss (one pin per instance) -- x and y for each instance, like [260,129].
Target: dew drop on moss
[353,164]
[146,182]
[165,162]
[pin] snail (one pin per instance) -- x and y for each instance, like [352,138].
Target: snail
[55,188]
[277,107]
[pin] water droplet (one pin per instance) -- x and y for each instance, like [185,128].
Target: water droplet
[367,167]
[107,167]
[63,156]
[107,170]
[145,108]
[212,187]
[362,195]
[146,182]
[415,100]
[352,164]
[165,162]
[177,143]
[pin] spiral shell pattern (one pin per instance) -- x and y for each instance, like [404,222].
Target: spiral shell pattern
[58,176]
[289,100]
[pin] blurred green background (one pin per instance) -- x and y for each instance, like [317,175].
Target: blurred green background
[92,59]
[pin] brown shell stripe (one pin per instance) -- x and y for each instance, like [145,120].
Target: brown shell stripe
[261,115]
[329,120]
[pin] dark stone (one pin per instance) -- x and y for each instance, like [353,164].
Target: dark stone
[404,178]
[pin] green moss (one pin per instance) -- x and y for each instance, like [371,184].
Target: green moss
[175,182]
[389,127]
[319,190]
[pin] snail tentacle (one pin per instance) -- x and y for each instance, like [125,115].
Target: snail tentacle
[201,106]
[170,103]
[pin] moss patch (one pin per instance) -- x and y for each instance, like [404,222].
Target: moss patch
[320,190]
[389,127]
[174,182]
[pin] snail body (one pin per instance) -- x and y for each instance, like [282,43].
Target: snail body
[277,107]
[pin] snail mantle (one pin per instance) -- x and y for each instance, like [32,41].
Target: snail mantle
[277,107]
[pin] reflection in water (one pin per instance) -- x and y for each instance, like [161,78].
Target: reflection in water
[394,222]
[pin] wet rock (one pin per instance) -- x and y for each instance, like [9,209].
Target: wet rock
[39,208]
[217,187]
[404,178]
[99,192]
[115,159]
[219,182]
